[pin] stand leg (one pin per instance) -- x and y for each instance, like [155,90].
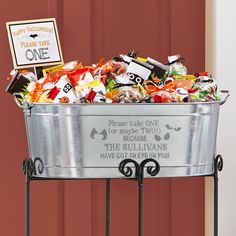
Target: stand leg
[218,167]
[108,188]
[140,211]
[127,171]
[28,169]
[27,201]
[27,208]
[215,205]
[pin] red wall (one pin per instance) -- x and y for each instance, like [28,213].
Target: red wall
[91,29]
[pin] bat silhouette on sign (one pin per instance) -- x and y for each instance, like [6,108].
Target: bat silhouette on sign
[94,132]
[33,36]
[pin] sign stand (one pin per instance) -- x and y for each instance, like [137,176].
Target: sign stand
[149,165]
[38,71]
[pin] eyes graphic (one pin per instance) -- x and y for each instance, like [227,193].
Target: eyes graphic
[166,137]
[135,78]
[175,128]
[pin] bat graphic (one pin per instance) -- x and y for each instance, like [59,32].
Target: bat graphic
[33,36]
[103,133]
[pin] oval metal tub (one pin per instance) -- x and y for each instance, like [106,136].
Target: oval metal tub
[89,141]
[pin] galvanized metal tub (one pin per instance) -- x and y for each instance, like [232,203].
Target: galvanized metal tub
[90,140]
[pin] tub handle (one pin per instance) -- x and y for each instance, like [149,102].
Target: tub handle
[227,94]
[24,103]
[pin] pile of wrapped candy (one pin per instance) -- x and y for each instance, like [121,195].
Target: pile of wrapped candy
[123,79]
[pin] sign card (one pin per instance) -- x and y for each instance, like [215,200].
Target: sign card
[34,43]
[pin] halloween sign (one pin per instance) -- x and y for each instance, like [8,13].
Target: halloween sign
[34,43]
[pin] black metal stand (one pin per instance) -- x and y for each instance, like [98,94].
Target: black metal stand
[130,169]
[29,168]
[153,171]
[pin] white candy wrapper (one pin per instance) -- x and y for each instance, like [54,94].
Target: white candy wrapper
[66,92]
[84,86]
